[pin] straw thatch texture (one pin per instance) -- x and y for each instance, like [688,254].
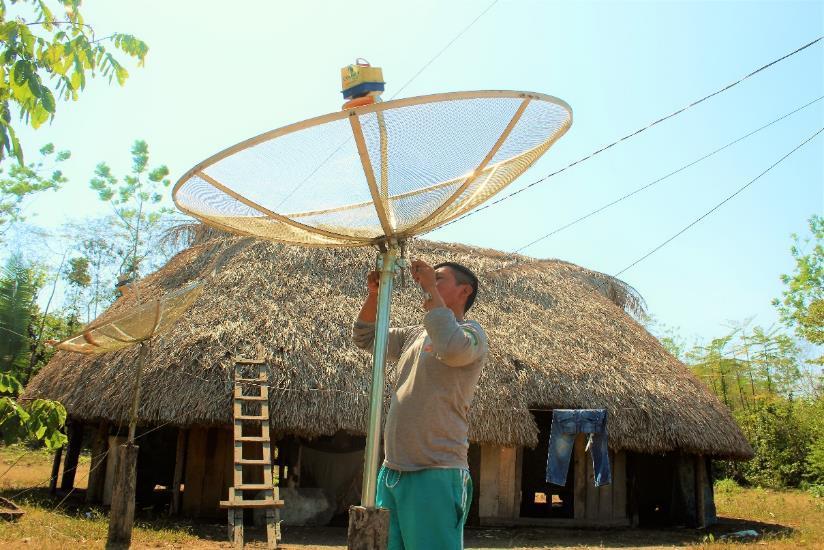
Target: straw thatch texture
[557,339]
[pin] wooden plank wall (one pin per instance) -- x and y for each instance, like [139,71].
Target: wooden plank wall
[500,483]
[604,504]
[208,471]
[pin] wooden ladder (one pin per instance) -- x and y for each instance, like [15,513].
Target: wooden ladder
[251,410]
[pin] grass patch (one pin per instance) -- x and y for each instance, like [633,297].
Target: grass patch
[799,511]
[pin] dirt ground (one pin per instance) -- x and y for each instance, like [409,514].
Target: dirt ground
[782,519]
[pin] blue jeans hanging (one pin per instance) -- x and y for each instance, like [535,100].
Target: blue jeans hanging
[566,425]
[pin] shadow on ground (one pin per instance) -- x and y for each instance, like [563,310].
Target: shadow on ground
[215,534]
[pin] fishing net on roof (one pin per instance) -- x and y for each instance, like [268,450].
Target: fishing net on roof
[389,170]
[138,325]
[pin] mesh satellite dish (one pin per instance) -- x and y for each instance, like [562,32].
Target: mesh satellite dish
[374,174]
[138,325]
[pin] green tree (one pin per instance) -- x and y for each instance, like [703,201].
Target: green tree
[775,357]
[669,336]
[781,438]
[19,285]
[40,419]
[78,281]
[47,51]
[136,202]
[802,304]
[18,181]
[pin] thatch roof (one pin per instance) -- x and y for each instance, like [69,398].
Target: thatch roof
[558,339]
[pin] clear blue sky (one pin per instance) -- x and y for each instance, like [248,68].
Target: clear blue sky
[220,72]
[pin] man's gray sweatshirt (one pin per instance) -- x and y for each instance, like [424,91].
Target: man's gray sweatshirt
[438,366]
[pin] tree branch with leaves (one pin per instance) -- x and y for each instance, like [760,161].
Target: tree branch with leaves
[45,57]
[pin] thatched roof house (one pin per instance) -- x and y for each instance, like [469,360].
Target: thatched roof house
[560,337]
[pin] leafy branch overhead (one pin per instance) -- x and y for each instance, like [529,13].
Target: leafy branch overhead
[22,180]
[45,57]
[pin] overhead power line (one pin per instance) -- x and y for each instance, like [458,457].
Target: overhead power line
[442,50]
[659,180]
[717,206]
[636,132]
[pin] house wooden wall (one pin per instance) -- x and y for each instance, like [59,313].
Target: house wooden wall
[686,492]
[499,498]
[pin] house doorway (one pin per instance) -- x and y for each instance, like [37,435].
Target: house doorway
[540,499]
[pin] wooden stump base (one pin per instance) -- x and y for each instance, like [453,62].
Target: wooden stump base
[121,516]
[368,528]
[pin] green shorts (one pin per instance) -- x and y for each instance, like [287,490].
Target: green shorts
[427,508]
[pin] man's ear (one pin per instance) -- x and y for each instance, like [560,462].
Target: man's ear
[466,291]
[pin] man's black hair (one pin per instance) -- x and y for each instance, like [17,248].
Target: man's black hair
[463,275]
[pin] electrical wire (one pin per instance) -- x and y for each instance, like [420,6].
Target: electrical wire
[659,180]
[632,134]
[719,205]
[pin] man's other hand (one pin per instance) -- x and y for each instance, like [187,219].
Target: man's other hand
[424,275]
[373,279]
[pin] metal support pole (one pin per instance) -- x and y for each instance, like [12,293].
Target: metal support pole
[141,358]
[387,266]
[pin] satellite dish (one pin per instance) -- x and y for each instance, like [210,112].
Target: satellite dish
[138,325]
[377,173]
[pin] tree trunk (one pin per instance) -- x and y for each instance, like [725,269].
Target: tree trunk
[368,528]
[121,517]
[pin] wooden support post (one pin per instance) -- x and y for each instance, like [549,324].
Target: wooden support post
[72,455]
[579,485]
[700,481]
[488,498]
[58,455]
[180,457]
[235,522]
[684,506]
[121,517]
[97,467]
[605,497]
[593,498]
[368,528]
[619,486]
[709,493]
[507,491]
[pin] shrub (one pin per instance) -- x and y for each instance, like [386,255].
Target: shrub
[727,485]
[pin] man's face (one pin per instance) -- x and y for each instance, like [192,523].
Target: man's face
[454,294]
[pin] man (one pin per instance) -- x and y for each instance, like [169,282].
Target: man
[424,480]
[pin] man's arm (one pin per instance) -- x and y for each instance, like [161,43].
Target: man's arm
[363,332]
[369,309]
[454,344]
